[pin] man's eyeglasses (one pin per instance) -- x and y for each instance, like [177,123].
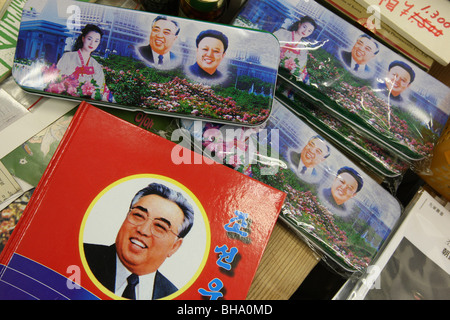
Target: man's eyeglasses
[159,227]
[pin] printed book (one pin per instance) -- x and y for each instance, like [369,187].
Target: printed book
[415,264]
[29,160]
[10,215]
[331,203]
[9,30]
[371,19]
[4,4]
[116,202]
[424,23]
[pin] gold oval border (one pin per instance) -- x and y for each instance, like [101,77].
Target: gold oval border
[145,176]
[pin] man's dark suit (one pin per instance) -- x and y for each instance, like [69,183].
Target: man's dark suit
[199,72]
[147,54]
[102,262]
[347,59]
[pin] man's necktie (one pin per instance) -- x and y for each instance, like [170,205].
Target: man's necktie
[160,59]
[356,67]
[130,290]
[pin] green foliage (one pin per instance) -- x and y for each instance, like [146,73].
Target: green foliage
[247,101]
[135,84]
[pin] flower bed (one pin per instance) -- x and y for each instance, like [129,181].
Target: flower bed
[331,79]
[67,85]
[168,91]
[358,142]
[304,210]
[133,84]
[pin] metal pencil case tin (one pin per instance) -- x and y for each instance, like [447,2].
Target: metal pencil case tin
[331,202]
[141,61]
[382,161]
[346,72]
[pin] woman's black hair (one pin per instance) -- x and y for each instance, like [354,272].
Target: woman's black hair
[88,28]
[295,25]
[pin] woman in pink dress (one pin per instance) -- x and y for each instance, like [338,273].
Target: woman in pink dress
[80,67]
[294,47]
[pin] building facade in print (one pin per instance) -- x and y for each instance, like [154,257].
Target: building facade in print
[52,34]
[43,37]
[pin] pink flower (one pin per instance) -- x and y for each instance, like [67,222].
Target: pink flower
[87,89]
[71,85]
[70,81]
[290,64]
[50,73]
[56,88]
[71,90]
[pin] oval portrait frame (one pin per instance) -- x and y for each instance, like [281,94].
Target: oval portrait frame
[95,228]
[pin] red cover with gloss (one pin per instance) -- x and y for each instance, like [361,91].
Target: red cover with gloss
[84,199]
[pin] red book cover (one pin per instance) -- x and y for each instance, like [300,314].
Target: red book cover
[114,203]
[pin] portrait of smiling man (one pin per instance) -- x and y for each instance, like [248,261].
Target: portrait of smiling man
[345,186]
[154,228]
[211,48]
[399,77]
[306,163]
[357,60]
[163,33]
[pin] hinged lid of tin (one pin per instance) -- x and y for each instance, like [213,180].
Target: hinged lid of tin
[138,60]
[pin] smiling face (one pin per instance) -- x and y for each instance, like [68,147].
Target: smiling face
[305,29]
[91,41]
[138,249]
[210,53]
[162,36]
[363,50]
[344,188]
[314,152]
[398,80]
